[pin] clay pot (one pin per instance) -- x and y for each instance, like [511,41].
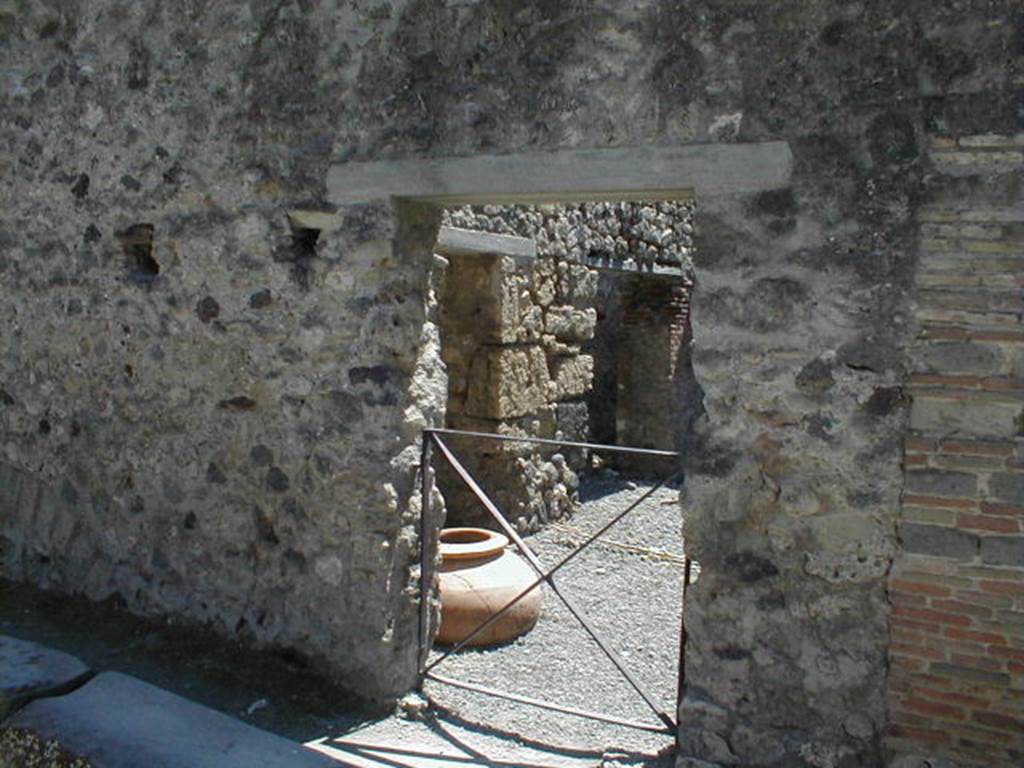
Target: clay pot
[478,577]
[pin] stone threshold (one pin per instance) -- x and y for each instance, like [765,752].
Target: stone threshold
[112,720]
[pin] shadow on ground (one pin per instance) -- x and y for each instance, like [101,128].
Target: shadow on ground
[277,692]
[442,738]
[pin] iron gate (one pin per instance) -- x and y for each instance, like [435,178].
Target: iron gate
[433,438]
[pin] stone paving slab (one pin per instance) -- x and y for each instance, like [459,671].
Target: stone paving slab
[118,721]
[30,671]
[436,743]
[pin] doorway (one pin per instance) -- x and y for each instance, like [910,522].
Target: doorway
[534,300]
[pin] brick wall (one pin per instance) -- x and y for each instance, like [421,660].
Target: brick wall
[649,348]
[957,589]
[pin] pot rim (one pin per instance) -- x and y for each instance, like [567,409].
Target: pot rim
[467,543]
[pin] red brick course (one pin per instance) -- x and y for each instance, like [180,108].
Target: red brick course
[956,686]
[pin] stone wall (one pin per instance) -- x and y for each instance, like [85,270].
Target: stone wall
[511,331]
[957,588]
[205,413]
[641,302]
[627,235]
[227,421]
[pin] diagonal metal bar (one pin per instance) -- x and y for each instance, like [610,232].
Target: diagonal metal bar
[547,576]
[549,705]
[560,443]
[535,563]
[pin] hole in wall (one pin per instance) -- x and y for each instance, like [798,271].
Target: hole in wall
[137,243]
[300,250]
[304,243]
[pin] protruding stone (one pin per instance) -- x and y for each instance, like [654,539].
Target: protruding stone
[507,381]
[572,325]
[572,376]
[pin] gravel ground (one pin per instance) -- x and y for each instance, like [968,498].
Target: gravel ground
[630,583]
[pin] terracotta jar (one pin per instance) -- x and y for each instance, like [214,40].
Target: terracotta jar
[478,577]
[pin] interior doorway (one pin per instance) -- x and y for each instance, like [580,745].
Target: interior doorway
[558,321]
[568,320]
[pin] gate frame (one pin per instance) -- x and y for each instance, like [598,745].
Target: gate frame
[431,438]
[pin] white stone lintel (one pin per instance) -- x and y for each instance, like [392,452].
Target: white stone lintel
[571,175]
[452,241]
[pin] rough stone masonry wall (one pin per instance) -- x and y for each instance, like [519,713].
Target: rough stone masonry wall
[801,316]
[957,628]
[211,426]
[633,362]
[626,235]
[210,120]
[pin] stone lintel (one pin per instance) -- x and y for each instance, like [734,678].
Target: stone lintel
[671,272]
[568,175]
[452,241]
[325,221]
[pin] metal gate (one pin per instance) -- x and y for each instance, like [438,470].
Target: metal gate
[434,438]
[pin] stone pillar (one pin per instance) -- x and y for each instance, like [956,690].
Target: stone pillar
[793,482]
[514,367]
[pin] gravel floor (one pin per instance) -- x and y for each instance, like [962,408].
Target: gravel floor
[630,583]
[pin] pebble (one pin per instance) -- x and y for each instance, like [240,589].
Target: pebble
[256,706]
